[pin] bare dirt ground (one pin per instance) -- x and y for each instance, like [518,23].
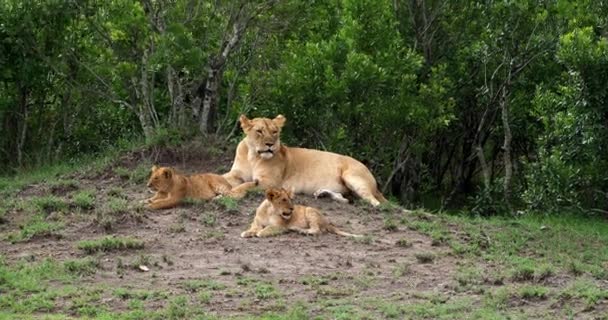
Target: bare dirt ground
[197,248]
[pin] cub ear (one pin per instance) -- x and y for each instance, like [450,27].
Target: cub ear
[245,122]
[154,168]
[168,173]
[271,194]
[279,121]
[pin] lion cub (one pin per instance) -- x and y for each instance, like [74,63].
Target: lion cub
[277,214]
[171,188]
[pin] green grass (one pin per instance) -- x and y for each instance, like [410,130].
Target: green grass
[82,267]
[585,290]
[109,243]
[36,227]
[202,284]
[228,204]
[533,292]
[84,200]
[63,185]
[425,257]
[48,204]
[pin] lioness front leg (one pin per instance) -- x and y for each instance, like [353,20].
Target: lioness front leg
[270,231]
[165,203]
[240,191]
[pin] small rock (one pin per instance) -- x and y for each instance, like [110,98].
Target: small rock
[144,268]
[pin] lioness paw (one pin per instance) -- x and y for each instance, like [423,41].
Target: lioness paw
[247,234]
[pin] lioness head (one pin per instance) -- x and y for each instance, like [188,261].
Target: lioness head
[281,201]
[161,179]
[263,134]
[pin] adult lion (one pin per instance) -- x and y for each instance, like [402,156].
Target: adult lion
[261,156]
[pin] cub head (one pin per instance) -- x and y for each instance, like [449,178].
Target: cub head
[281,201]
[263,134]
[161,179]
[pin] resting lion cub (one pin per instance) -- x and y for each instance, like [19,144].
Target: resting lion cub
[277,214]
[171,188]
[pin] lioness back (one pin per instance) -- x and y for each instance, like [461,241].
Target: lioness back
[310,170]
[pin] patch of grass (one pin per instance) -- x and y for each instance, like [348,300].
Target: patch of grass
[425,257]
[205,297]
[82,267]
[122,172]
[390,224]
[469,277]
[137,175]
[177,228]
[523,270]
[439,309]
[197,285]
[209,219]
[213,234]
[586,290]
[48,204]
[265,291]
[312,280]
[110,243]
[533,292]
[141,173]
[403,243]
[402,269]
[497,299]
[36,227]
[390,310]
[129,294]
[63,185]
[84,200]
[115,206]
[228,203]
[116,192]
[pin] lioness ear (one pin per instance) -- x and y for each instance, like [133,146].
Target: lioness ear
[279,121]
[245,123]
[168,173]
[154,168]
[271,194]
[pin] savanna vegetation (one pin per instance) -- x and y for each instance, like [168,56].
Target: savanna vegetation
[500,105]
[490,117]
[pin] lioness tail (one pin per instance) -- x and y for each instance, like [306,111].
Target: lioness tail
[339,232]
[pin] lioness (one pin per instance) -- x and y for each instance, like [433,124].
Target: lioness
[171,188]
[277,214]
[261,156]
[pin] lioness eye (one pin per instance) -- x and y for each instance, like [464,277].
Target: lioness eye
[259,131]
[275,132]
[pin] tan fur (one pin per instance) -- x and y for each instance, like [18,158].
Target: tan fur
[171,188]
[277,214]
[261,156]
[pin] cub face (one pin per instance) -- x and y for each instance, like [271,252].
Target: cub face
[282,201]
[263,134]
[161,179]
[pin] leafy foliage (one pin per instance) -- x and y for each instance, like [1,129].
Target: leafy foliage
[423,92]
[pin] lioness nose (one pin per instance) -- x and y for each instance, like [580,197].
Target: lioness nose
[269,144]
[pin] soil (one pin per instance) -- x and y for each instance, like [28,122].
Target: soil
[185,244]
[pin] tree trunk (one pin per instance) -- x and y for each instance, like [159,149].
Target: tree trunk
[24,113]
[504,106]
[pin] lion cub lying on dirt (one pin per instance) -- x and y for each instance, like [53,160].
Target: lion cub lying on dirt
[277,214]
[171,188]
